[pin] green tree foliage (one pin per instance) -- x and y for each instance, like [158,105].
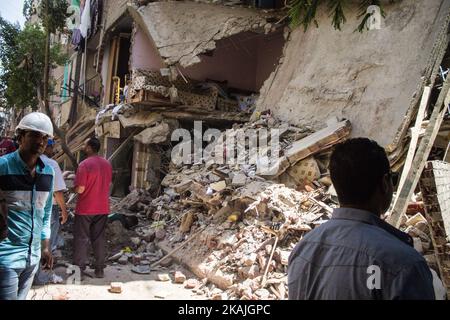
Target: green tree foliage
[55,20]
[22,59]
[303,12]
[57,13]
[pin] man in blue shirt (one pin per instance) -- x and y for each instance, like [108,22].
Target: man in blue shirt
[356,255]
[26,185]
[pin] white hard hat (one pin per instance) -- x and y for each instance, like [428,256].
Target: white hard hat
[36,121]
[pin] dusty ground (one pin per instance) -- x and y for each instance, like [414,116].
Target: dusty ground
[135,287]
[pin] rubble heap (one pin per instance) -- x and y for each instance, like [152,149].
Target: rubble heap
[238,224]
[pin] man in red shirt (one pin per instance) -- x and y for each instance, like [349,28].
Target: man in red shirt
[92,182]
[6,146]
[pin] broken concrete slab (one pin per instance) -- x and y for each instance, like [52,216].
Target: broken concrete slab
[154,135]
[218,186]
[318,141]
[415,220]
[239,180]
[141,119]
[183,30]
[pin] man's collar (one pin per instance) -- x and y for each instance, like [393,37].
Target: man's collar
[371,218]
[40,164]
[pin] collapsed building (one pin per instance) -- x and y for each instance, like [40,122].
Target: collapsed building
[150,68]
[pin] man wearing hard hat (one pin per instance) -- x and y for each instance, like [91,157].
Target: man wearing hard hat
[26,185]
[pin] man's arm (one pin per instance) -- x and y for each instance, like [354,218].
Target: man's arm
[80,189]
[46,252]
[59,187]
[59,197]
[80,179]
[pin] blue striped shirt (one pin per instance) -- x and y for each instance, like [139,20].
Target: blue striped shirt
[29,202]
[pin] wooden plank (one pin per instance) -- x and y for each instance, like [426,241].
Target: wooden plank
[447,154]
[108,83]
[414,138]
[122,146]
[404,195]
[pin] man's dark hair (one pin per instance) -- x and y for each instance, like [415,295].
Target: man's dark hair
[94,143]
[357,167]
[19,133]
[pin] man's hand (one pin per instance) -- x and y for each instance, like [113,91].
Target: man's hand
[80,189]
[46,256]
[64,216]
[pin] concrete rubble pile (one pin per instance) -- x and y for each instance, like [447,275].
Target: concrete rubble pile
[233,225]
[416,225]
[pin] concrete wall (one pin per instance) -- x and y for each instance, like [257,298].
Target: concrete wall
[369,78]
[112,10]
[270,50]
[182,30]
[245,60]
[144,54]
[234,59]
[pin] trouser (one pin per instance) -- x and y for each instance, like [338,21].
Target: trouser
[44,277]
[90,228]
[15,283]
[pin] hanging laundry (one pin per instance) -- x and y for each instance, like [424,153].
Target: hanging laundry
[96,16]
[85,24]
[77,40]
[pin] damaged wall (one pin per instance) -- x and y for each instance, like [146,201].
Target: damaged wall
[183,30]
[244,60]
[144,54]
[112,11]
[369,78]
